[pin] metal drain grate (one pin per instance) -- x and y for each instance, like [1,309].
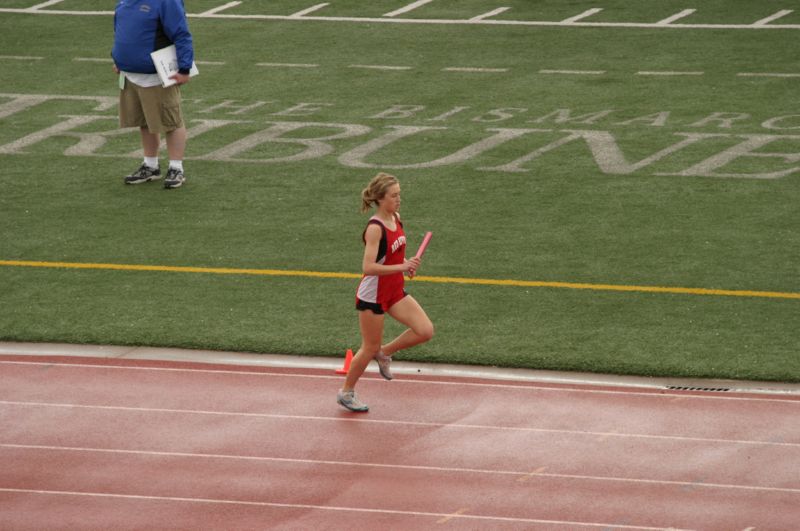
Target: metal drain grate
[710,389]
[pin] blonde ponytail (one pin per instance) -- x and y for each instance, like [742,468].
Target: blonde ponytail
[376,189]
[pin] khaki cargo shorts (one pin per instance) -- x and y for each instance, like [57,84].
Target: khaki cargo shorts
[157,108]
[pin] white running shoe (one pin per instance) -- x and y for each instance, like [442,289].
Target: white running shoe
[349,400]
[384,365]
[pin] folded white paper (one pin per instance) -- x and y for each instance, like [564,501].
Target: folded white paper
[166,62]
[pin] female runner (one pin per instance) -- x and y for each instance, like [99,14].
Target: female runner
[381,289]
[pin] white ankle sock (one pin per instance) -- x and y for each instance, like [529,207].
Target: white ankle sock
[177,164]
[152,162]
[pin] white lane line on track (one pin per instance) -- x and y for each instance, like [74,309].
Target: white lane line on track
[409,423]
[406,9]
[540,472]
[659,395]
[452,515]
[676,16]
[472,517]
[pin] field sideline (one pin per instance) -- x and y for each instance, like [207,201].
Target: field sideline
[421,278]
[577,20]
[595,207]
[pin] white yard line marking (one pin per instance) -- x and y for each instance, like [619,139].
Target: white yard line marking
[43,5]
[765,74]
[211,63]
[521,476]
[472,69]
[304,12]
[380,67]
[668,73]
[406,423]
[446,22]
[289,65]
[30,11]
[406,9]
[574,72]
[330,508]
[21,57]
[93,59]
[587,13]
[489,14]
[773,17]
[218,9]
[676,16]
[654,395]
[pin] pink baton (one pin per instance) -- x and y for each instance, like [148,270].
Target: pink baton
[424,245]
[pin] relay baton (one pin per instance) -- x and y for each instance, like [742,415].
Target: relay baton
[424,245]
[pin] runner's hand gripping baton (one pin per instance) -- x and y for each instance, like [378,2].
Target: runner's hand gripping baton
[424,245]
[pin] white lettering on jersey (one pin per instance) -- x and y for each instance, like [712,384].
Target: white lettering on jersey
[398,243]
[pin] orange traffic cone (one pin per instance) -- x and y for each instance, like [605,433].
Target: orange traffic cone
[347,359]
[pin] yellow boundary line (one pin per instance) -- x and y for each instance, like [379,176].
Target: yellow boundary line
[440,280]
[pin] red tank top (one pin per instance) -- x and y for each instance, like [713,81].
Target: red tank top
[391,251]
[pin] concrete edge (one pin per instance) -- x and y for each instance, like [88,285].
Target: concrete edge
[398,367]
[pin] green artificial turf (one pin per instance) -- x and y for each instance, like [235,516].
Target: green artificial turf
[592,209]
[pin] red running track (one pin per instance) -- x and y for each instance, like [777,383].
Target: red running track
[92,443]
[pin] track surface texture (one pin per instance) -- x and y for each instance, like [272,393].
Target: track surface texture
[98,443]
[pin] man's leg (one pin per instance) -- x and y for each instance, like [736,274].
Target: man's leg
[150,142]
[176,145]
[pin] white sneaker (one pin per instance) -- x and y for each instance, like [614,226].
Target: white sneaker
[349,400]
[384,363]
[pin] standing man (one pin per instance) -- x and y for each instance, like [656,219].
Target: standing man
[142,27]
